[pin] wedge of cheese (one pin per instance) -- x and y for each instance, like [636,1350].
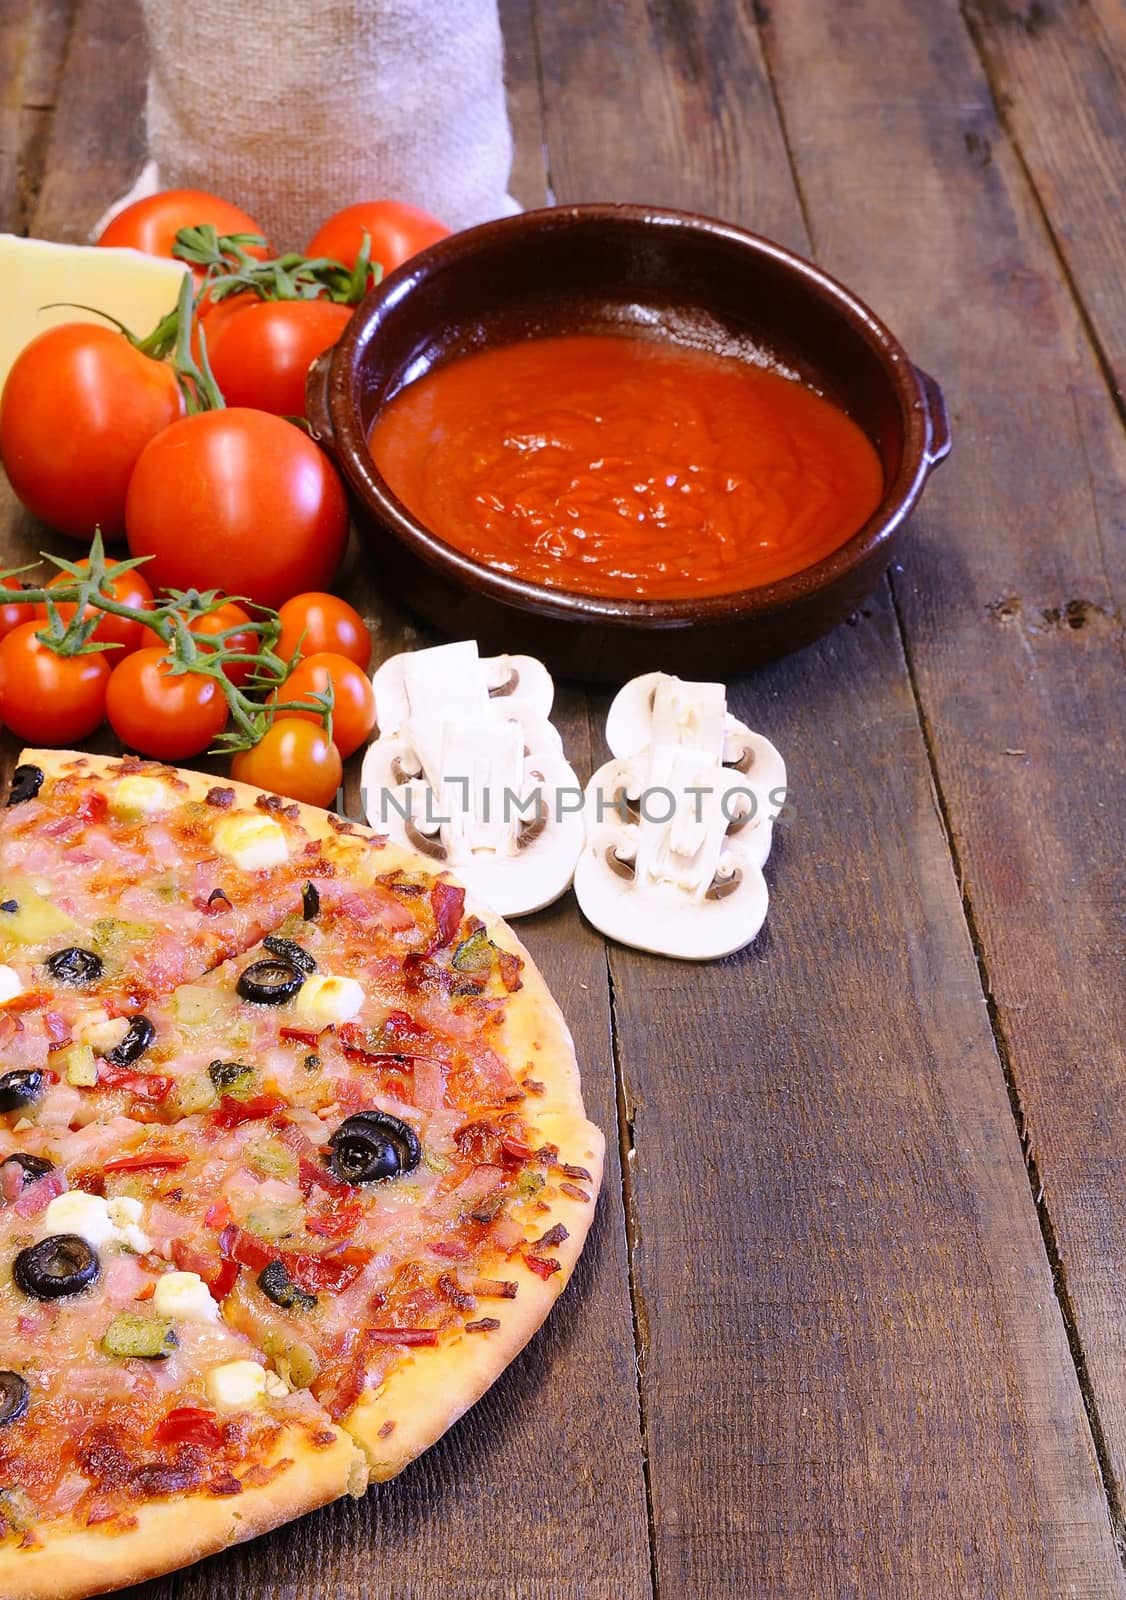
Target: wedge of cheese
[136,289]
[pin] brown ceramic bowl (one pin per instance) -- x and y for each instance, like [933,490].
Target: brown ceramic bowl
[592,267]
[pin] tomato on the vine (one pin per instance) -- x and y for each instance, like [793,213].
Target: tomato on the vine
[13,612]
[79,406]
[294,758]
[397,232]
[160,713]
[152,224]
[128,589]
[47,698]
[317,622]
[237,500]
[353,712]
[262,356]
[229,615]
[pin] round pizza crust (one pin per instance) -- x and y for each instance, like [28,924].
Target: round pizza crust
[428,1389]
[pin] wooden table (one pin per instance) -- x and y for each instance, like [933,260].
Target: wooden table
[852,1320]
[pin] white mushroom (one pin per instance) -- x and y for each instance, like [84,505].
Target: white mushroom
[679,824]
[468,770]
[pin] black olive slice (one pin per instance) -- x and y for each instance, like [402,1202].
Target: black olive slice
[26,784]
[136,1041]
[219,895]
[15,1397]
[270,983]
[310,901]
[373,1146]
[277,1285]
[33,1166]
[74,966]
[289,950]
[60,1265]
[20,1088]
[9,905]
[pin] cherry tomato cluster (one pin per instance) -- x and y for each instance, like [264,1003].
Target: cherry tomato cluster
[331,649]
[183,441]
[170,674]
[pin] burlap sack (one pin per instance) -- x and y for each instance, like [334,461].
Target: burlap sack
[294,108]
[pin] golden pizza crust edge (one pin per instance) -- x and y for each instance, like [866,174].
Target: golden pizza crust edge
[72,1563]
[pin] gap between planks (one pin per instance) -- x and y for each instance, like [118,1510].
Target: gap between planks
[1116,1511]
[1004,122]
[630,1210]
[1115,1508]
[633,1239]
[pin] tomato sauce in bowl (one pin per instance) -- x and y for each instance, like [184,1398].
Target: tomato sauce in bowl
[623,466]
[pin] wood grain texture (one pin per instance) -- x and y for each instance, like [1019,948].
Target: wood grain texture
[33,40]
[1011,592]
[1058,71]
[528,184]
[856,1380]
[657,103]
[539,1491]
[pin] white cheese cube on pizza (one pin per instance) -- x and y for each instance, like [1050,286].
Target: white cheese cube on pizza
[184,1295]
[100,1031]
[125,1213]
[251,843]
[324,999]
[99,1221]
[238,1385]
[140,795]
[10,983]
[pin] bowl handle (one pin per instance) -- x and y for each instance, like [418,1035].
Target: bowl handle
[316,401]
[934,404]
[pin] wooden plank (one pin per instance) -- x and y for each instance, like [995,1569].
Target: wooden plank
[529,182]
[641,105]
[32,44]
[856,1380]
[539,1490]
[1058,74]
[1011,593]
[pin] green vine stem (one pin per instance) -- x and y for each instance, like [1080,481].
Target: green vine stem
[227,269]
[89,592]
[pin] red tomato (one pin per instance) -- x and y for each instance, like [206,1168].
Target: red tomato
[79,406]
[214,313]
[50,699]
[294,758]
[189,1425]
[145,1161]
[128,589]
[237,500]
[160,713]
[228,616]
[397,230]
[353,715]
[152,224]
[261,356]
[318,622]
[13,612]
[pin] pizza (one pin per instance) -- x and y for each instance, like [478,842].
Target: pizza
[293,1162]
